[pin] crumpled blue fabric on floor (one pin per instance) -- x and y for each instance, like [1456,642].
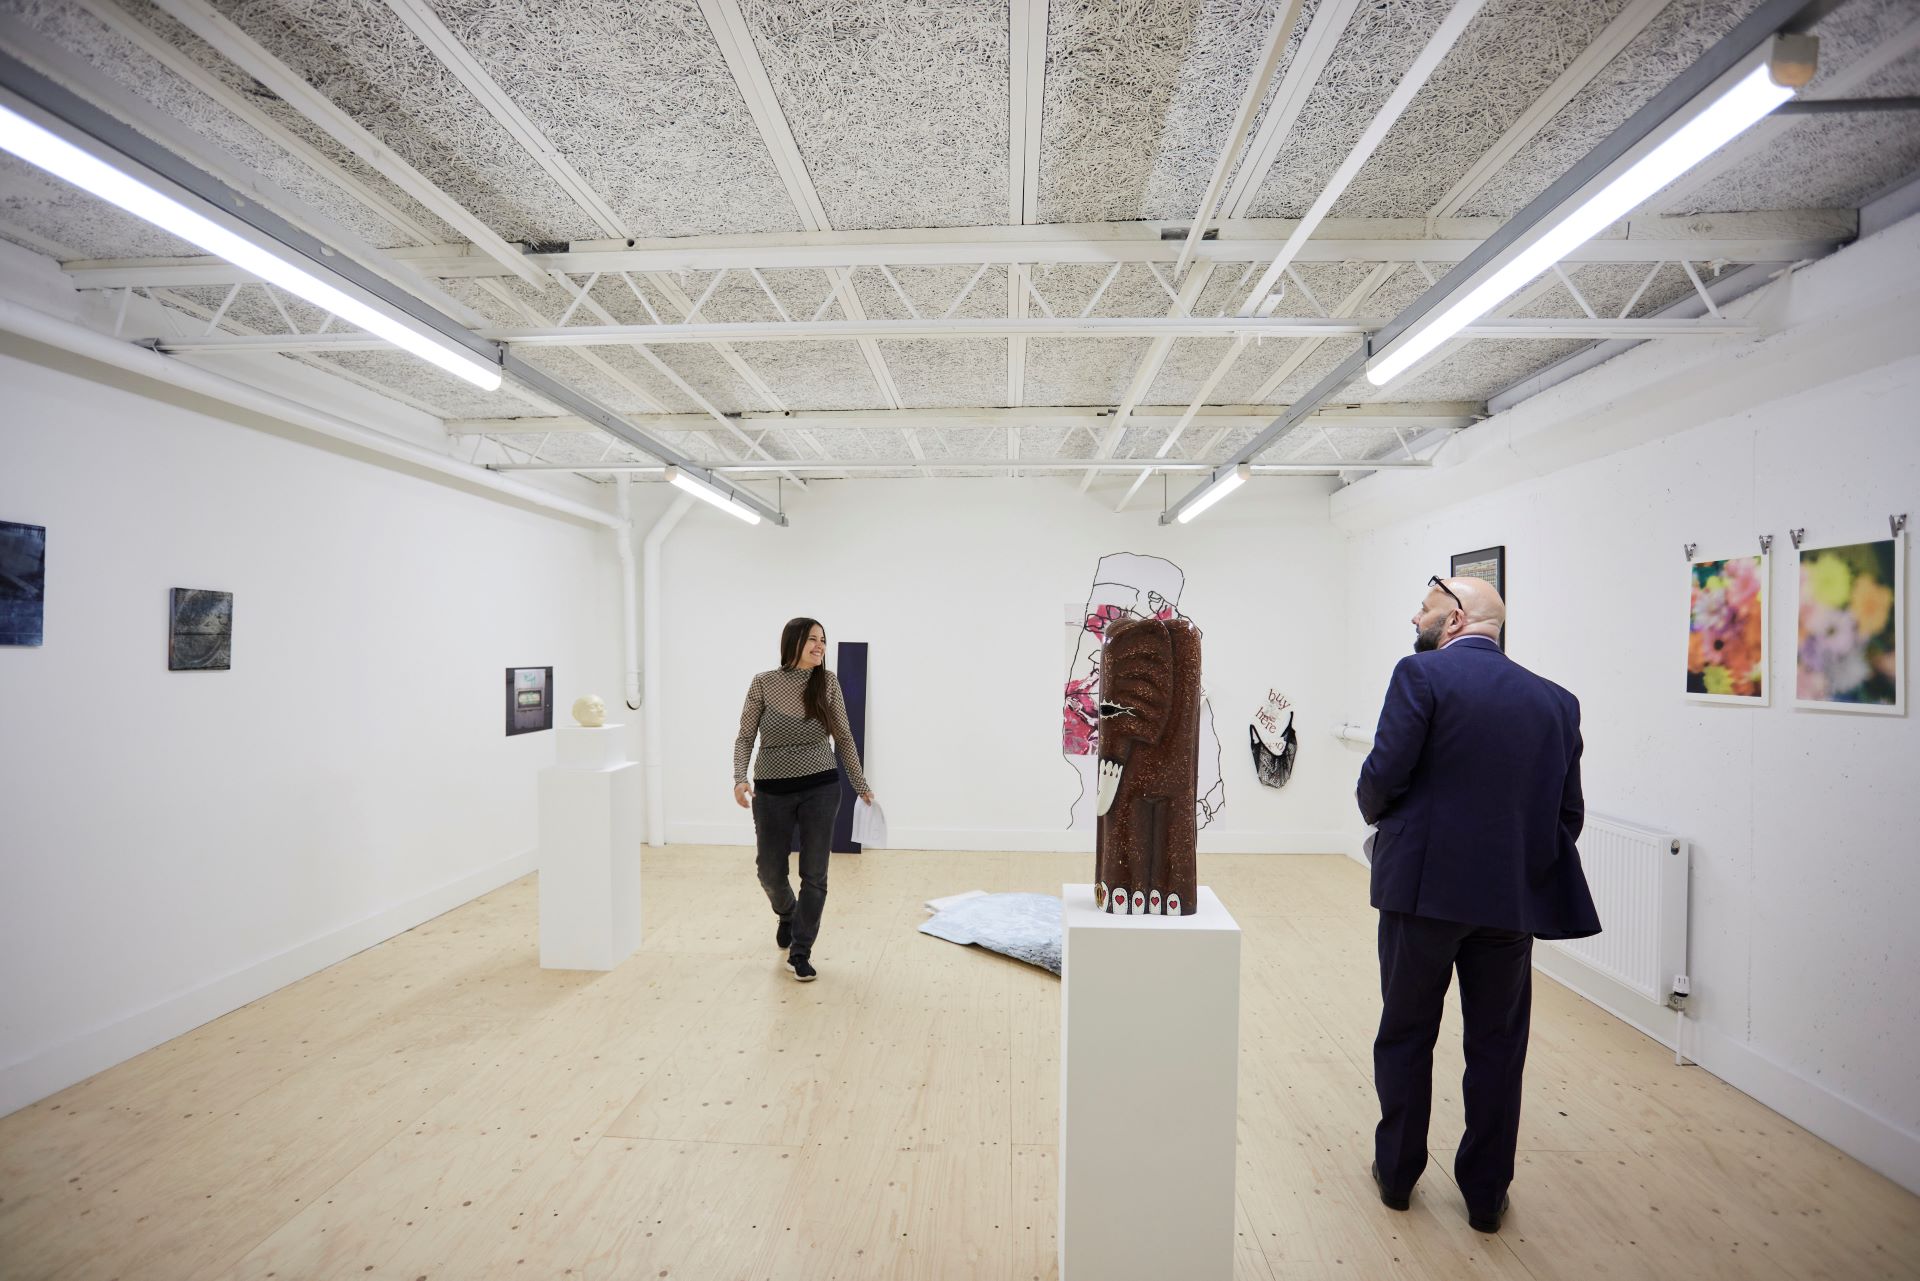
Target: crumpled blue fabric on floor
[1023,926]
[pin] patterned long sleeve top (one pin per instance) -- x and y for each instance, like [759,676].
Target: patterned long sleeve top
[793,744]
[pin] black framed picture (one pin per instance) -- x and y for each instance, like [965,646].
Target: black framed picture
[23,583]
[529,699]
[199,630]
[1488,564]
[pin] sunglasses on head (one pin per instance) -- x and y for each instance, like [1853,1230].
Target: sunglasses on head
[1435,582]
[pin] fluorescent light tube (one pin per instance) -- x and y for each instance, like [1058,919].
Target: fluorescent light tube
[1213,493]
[679,479]
[69,163]
[1724,118]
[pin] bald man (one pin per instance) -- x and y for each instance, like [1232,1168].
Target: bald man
[1473,786]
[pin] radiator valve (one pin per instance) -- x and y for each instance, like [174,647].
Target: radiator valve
[1682,989]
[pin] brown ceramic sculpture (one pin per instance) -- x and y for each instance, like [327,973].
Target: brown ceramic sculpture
[1149,768]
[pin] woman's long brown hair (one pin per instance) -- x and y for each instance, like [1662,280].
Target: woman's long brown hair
[792,638]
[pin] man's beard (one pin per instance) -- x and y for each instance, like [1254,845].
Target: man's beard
[1428,638]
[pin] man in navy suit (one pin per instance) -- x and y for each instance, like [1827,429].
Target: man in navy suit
[1473,786]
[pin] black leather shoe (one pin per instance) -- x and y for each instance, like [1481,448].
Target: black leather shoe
[1488,1222]
[1387,1198]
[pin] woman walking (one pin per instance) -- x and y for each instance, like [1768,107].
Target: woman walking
[793,710]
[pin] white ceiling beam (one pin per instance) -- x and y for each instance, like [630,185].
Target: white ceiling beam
[527,311]
[223,34]
[671,291]
[419,18]
[992,464]
[730,32]
[1346,307]
[1783,236]
[1026,105]
[1277,39]
[1162,329]
[425,24]
[1407,415]
[1608,45]
[1317,44]
[1424,65]
[148,41]
[1155,360]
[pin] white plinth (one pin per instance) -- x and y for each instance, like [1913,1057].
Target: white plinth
[596,747]
[590,838]
[1149,1070]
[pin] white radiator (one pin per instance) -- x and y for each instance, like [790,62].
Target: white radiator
[1639,882]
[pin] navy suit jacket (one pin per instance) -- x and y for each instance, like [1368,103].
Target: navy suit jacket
[1474,783]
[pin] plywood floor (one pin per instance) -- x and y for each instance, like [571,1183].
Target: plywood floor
[440,1107]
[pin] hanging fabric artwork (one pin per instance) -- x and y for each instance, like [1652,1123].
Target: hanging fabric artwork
[1275,745]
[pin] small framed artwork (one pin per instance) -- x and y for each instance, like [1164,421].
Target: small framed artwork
[1490,564]
[529,699]
[199,631]
[23,583]
[1727,631]
[1850,650]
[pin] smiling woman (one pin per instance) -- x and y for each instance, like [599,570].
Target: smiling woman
[792,711]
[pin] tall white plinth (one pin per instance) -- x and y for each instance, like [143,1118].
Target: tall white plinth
[1149,1069]
[590,836]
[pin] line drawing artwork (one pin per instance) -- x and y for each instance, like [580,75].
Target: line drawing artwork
[1125,585]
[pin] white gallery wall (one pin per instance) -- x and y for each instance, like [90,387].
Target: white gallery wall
[961,589]
[1803,949]
[177,843]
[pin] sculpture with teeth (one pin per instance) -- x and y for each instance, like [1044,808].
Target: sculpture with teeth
[1149,768]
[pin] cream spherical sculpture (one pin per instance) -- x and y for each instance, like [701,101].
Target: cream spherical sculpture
[590,711]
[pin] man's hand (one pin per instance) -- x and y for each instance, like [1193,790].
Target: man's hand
[743,795]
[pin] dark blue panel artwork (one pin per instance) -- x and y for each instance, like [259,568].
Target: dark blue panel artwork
[200,631]
[23,583]
[851,668]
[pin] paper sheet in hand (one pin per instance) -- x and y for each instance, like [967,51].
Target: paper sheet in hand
[869,825]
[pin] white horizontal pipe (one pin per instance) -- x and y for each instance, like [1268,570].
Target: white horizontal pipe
[656,472]
[81,341]
[1553,327]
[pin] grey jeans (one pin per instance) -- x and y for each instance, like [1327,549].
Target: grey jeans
[775,819]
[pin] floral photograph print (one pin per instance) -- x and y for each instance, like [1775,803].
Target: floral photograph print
[1848,656]
[1727,632]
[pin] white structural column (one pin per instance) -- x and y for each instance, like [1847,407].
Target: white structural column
[210,25]
[1149,1027]
[729,28]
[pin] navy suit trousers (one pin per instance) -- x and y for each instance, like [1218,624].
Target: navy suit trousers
[1418,956]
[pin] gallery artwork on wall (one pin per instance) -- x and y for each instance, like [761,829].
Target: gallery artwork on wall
[199,630]
[1850,646]
[1727,631]
[1271,736]
[1488,564]
[23,583]
[1125,586]
[529,699]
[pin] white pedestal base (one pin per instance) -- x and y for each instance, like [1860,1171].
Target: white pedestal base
[590,837]
[1149,1073]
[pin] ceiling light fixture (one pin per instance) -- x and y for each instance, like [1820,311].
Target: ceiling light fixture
[40,146]
[681,478]
[1732,104]
[1222,484]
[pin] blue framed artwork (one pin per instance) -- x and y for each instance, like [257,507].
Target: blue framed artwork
[23,583]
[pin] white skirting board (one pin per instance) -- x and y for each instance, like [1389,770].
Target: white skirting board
[31,1079]
[1870,1139]
[1028,840]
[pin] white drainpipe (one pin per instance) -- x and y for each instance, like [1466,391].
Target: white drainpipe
[629,606]
[650,667]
